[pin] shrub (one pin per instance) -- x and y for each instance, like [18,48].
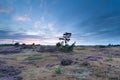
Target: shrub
[17,44]
[109,59]
[85,63]
[102,46]
[58,44]
[58,70]
[65,48]
[9,73]
[66,61]
[10,50]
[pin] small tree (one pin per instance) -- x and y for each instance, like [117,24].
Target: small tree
[63,45]
[66,37]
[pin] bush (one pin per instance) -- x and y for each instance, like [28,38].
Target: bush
[58,45]
[9,73]
[10,50]
[66,48]
[66,61]
[85,63]
[109,59]
[101,46]
[58,70]
[17,44]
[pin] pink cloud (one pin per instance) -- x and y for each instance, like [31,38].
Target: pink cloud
[22,18]
[30,41]
[40,41]
[6,41]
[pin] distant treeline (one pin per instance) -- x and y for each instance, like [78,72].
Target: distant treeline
[100,46]
[7,44]
[110,45]
[15,44]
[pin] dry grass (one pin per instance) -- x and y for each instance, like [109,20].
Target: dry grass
[39,71]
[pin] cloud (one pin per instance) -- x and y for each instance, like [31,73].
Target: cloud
[15,35]
[107,18]
[101,26]
[22,18]
[27,38]
[31,33]
[44,26]
[30,41]
[50,41]
[37,24]
[6,41]
[5,10]
[4,34]
[50,26]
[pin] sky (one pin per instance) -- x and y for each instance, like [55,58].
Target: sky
[91,22]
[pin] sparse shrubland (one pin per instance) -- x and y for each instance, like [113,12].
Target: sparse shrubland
[9,73]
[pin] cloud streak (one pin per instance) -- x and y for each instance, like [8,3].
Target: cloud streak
[21,18]
[5,10]
[15,35]
[26,38]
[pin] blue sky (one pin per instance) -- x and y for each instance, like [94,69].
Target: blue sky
[91,22]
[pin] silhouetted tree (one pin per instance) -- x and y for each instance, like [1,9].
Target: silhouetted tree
[64,46]
[66,37]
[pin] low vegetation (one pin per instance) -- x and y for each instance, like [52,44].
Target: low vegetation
[58,70]
[9,73]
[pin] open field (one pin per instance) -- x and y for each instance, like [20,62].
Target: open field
[89,63]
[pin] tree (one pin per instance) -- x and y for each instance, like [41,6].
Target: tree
[63,45]
[66,37]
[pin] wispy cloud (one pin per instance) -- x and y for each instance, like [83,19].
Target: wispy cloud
[42,3]
[5,10]
[22,18]
[37,24]
[16,35]
[50,26]
[6,41]
[44,26]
